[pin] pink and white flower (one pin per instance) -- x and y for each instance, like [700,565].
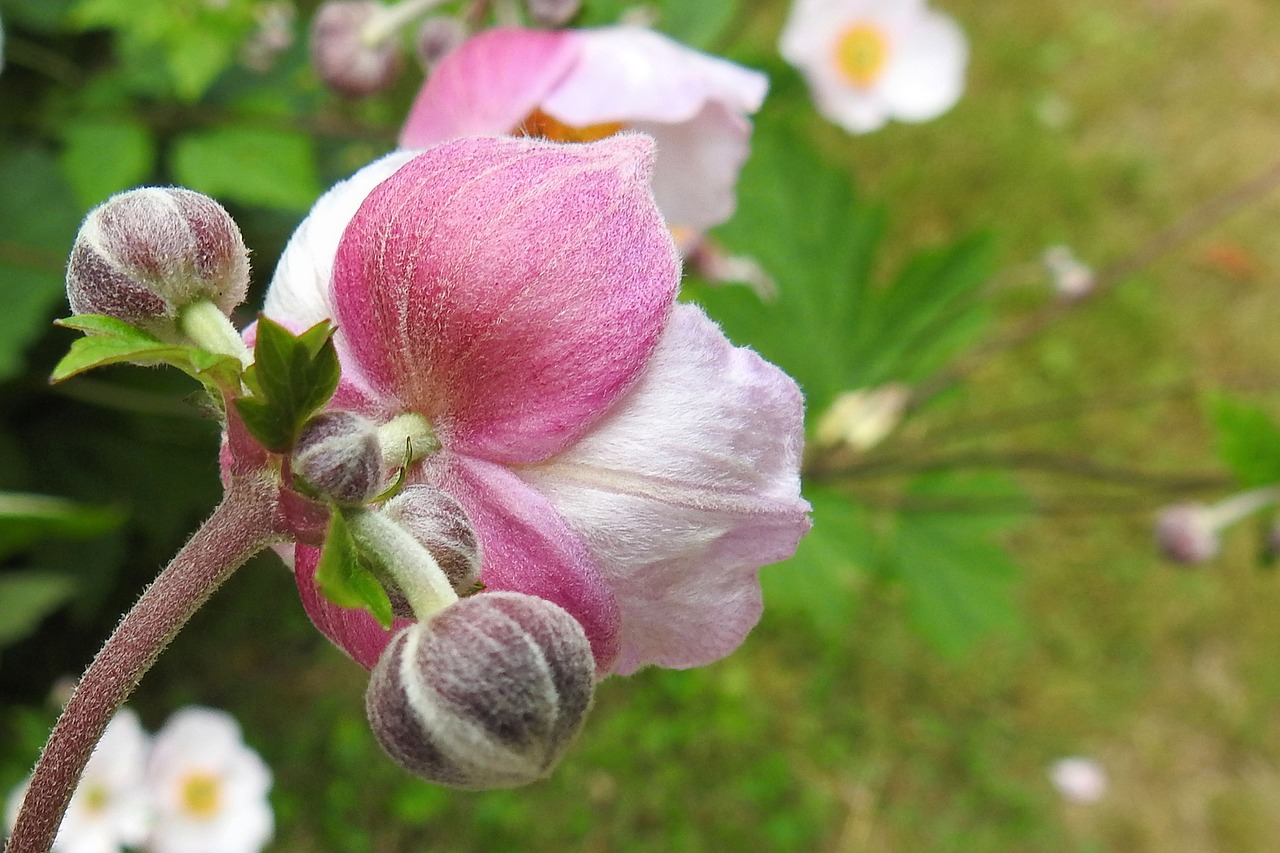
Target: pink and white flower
[208,787]
[869,61]
[581,85]
[109,810]
[616,455]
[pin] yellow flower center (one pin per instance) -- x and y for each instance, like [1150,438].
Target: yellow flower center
[541,125]
[201,795]
[95,798]
[860,54]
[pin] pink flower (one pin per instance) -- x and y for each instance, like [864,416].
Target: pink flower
[615,453]
[580,85]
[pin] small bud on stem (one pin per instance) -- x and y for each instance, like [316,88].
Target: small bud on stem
[339,456]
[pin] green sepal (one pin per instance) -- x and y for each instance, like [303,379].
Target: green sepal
[109,340]
[291,379]
[394,489]
[343,574]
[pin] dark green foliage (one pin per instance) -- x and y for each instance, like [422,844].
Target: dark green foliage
[292,377]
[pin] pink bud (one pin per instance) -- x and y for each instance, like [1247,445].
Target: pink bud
[347,54]
[338,456]
[145,254]
[1186,534]
[437,36]
[553,13]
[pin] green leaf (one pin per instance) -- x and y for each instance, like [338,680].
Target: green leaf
[292,377]
[38,221]
[343,577]
[259,166]
[26,598]
[697,24]
[104,156]
[960,583]
[1248,440]
[111,341]
[25,519]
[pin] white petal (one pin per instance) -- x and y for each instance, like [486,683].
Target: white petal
[684,491]
[925,76]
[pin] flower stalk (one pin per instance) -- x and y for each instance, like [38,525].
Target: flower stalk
[244,523]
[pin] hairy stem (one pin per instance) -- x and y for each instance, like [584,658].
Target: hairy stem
[243,524]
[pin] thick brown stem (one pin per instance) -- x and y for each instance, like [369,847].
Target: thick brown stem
[242,525]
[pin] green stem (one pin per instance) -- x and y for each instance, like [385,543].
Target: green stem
[208,328]
[243,524]
[417,574]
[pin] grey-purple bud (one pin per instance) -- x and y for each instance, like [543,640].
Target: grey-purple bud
[441,525]
[143,255]
[487,693]
[553,13]
[339,457]
[1185,533]
[349,57]
[437,36]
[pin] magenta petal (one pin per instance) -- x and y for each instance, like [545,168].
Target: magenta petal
[488,85]
[356,632]
[684,491]
[527,548]
[508,289]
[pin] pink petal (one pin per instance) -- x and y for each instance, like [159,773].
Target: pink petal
[527,548]
[684,491]
[631,74]
[508,289]
[489,85]
[356,632]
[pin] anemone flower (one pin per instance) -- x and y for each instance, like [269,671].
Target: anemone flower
[614,452]
[869,61]
[582,85]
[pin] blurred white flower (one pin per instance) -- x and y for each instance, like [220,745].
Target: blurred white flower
[1080,780]
[208,788]
[1071,277]
[868,61]
[109,809]
[862,419]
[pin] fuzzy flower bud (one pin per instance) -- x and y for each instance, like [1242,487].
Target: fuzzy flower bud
[553,13]
[437,36]
[440,524]
[348,51]
[488,693]
[144,255]
[1186,534]
[339,456]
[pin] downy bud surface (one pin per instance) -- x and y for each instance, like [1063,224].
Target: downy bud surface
[347,55]
[144,255]
[488,693]
[338,455]
[440,524]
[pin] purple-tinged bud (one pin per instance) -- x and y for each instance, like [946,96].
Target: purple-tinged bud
[1186,533]
[338,455]
[350,52]
[438,35]
[440,524]
[144,255]
[487,693]
[552,13]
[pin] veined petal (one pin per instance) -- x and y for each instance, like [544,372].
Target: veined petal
[631,74]
[354,631]
[684,491]
[488,85]
[527,548]
[509,290]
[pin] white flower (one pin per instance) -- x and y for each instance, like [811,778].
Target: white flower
[208,788]
[1072,279]
[1079,780]
[868,61]
[109,809]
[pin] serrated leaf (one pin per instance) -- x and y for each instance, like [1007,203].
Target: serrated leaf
[111,341]
[343,577]
[1248,441]
[292,377]
[26,598]
[104,156]
[260,166]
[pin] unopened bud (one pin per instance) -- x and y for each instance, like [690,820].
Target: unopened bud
[1186,533]
[553,13]
[144,255]
[339,457]
[1071,278]
[350,51]
[437,36]
[487,693]
[440,524]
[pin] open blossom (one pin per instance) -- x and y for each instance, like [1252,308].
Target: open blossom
[869,61]
[614,452]
[208,787]
[109,810]
[582,85]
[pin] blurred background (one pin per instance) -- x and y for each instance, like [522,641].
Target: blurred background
[982,594]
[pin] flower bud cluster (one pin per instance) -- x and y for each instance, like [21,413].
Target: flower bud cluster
[144,255]
[339,457]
